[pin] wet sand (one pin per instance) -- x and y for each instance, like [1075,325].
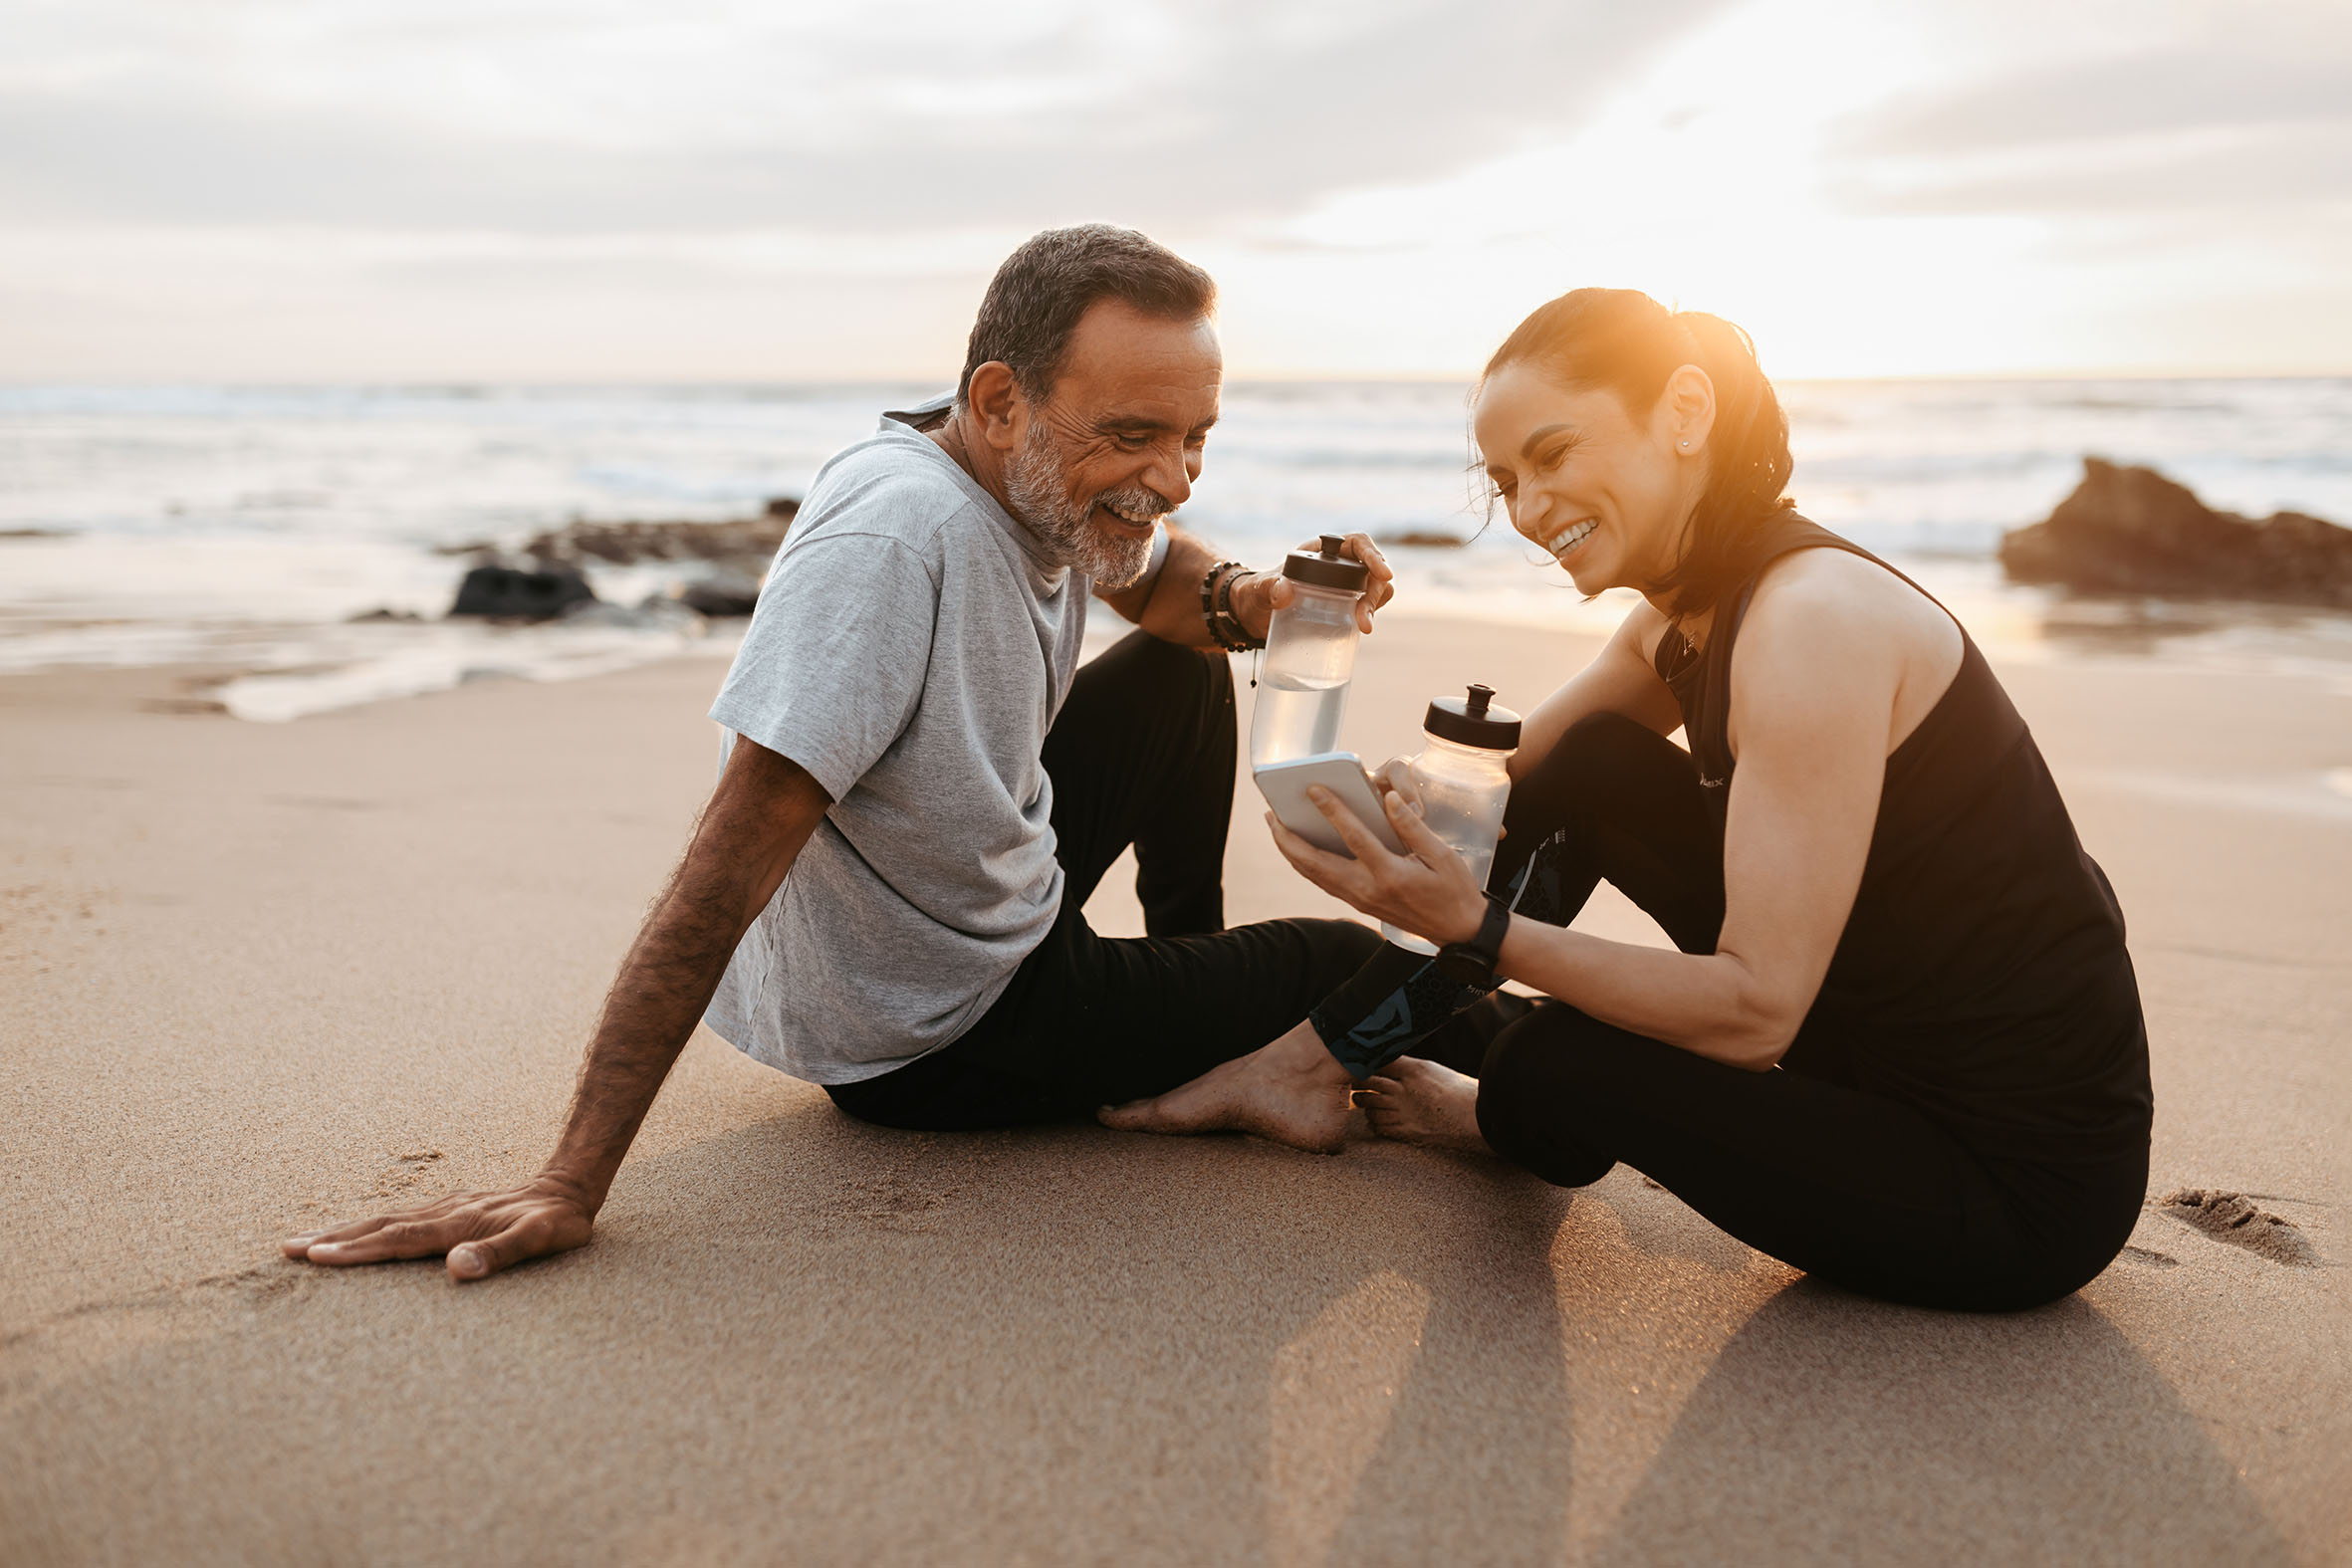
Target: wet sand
[254,977]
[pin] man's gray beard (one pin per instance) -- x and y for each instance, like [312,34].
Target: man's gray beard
[1036,484]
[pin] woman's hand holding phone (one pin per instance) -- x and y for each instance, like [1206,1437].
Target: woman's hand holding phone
[1427,891]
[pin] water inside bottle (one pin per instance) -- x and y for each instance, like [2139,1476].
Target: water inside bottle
[1297,716]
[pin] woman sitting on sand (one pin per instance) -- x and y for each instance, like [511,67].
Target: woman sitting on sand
[1901,1047]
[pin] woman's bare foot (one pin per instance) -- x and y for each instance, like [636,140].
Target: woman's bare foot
[1291,1091]
[1416,1101]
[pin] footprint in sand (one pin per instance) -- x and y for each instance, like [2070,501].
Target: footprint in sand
[2149,1257]
[163,1308]
[887,1200]
[2232,1217]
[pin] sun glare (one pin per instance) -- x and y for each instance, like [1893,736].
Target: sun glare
[1714,180]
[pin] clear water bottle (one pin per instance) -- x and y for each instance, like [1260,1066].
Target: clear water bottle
[1309,656]
[1462,775]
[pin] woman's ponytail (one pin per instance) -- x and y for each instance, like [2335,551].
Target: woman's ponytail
[1623,340]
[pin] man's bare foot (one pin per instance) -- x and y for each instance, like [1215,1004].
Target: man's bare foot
[1292,1091]
[1416,1101]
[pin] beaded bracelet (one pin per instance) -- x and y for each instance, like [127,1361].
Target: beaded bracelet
[1232,624]
[1209,599]
[1223,610]
[1217,608]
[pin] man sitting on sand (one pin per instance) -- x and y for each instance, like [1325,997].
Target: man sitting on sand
[911,739]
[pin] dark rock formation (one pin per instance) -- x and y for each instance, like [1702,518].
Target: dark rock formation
[509,594]
[2133,531]
[724,590]
[1423,538]
[623,543]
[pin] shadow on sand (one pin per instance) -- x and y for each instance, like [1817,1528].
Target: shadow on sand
[813,1341]
[1833,1429]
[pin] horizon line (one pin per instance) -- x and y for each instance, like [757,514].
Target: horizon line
[427,383]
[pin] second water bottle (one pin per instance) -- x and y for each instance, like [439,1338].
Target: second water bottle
[1463,777]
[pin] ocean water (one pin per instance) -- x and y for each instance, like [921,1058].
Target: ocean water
[243,528]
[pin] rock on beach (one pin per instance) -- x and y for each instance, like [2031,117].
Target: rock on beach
[513,593]
[735,541]
[545,578]
[2132,531]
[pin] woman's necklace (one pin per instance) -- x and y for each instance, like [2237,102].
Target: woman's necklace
[1693,631]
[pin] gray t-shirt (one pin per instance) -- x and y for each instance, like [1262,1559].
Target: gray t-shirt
[910,650]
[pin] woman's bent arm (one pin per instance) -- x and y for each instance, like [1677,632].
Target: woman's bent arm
[1813,687]
[1620,679]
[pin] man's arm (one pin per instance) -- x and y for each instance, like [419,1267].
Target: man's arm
[1167,604]
[762,812]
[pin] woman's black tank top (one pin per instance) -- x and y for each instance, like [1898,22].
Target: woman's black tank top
[1982,975]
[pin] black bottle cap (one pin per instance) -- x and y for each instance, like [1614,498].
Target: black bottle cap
[1330,569]
[1473,719]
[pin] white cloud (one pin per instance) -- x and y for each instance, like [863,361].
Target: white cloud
[377,188]
[613,117]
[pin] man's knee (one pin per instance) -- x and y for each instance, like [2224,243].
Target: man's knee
[1172,671]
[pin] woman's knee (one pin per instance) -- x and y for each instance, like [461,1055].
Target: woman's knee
[1605,766]
[1605,733]
[1607,757]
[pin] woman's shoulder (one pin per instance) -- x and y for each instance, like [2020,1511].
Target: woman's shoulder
[1837,587]
[1844,611]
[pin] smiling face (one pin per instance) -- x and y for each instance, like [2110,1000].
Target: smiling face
[1118,443]
[1604,488]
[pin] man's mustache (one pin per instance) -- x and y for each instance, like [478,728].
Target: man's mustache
[1143,505]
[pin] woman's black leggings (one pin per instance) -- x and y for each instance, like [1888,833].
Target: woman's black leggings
[1862,1190]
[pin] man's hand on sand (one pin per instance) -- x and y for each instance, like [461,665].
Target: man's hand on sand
[482,1233]
[763,809]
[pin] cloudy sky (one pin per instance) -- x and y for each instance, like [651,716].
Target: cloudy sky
[774,189]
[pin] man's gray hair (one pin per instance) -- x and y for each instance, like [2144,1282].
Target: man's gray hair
[1035,301]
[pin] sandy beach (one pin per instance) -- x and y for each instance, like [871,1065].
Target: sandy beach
[257,977]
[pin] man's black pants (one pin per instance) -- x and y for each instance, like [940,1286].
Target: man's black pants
[1142,755]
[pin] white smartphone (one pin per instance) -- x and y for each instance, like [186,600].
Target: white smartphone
[1343,773]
